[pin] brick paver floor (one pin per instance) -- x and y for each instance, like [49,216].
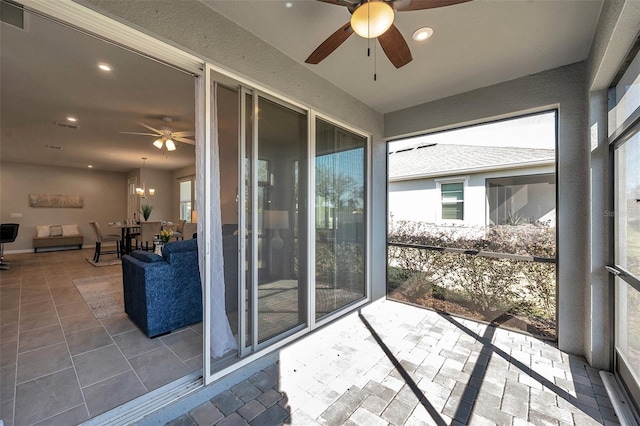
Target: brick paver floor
[394,364]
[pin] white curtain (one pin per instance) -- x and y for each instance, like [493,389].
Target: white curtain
[222,339]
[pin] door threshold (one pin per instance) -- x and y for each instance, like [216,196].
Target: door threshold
[618,398]
[136,409]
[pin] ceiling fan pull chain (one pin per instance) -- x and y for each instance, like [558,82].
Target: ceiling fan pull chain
[375,63]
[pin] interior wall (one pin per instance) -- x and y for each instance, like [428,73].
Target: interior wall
[164,201]
[199,29]
[105,199]
[564,88]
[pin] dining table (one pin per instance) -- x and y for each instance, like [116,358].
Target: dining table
[127,231]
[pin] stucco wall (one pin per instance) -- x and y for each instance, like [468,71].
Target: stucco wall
[198,29]
[563,88]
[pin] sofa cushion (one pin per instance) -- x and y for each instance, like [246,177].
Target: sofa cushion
[68,230]
[147,257]
[55,230]
[42,231]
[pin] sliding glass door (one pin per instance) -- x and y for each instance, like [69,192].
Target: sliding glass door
[293,202]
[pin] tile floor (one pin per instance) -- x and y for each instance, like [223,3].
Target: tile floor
[59,365]
[401,365]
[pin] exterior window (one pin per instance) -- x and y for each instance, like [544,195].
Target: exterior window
[187,199]
[452,201]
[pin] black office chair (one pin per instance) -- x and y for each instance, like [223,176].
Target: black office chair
[8,234]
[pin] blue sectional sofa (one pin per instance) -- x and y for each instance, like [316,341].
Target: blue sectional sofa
[163,293]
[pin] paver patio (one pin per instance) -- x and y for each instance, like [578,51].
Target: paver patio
[397,364]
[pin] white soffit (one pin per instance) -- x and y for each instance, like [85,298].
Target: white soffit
[93,22]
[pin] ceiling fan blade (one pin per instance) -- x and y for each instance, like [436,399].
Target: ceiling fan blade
[395,47]
[141,134]
[428,4]
[330,44]
[183,140]
[347,3]
[158,132]
[183,133]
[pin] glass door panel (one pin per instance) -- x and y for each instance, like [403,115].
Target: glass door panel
[279,212]
[340,182]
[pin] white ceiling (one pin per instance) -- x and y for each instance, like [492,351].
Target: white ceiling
[49,71]
[475,44]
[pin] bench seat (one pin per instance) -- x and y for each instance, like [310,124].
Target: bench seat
[61,241]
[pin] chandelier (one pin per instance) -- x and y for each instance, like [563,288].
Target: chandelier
[142,191]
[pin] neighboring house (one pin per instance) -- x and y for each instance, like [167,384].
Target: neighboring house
[472,185]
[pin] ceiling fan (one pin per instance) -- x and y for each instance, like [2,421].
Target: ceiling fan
[165,137]
[374,19]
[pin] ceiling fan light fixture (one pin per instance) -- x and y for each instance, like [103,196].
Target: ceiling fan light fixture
[372,18]
[170,145]
[421,34]
[158,143]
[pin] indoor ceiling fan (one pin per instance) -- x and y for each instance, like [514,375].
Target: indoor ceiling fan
[374,19]
[165,138]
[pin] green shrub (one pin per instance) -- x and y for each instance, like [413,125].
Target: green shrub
[488,284]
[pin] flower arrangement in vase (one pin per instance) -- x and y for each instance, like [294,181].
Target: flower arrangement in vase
[165,235]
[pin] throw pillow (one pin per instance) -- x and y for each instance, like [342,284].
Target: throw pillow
[42,231]
[70,230]
[55,230]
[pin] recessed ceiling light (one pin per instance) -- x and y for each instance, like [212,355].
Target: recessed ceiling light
[288,5]
[105,67]
[421,34]
[90,166]
[72,119]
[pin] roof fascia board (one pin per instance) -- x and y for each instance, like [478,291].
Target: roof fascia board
[475,170]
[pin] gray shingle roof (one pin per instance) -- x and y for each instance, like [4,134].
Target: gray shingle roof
[436,159]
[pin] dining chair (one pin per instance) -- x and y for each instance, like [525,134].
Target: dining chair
[149,232]
[109,238]
[178,233]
